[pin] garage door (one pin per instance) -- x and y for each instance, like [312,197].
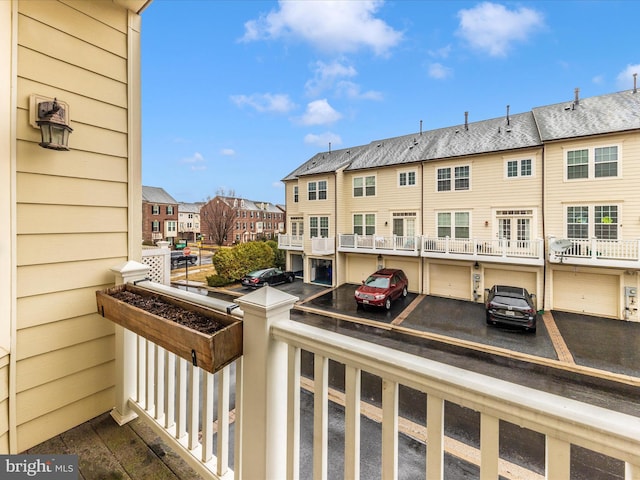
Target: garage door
[590,293]
[359,267]
[410,268]
[450,281]
[495,276]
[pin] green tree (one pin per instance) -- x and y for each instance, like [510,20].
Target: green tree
[280,258]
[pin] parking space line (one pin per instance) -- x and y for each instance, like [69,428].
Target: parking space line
[407,311]
[418,432]
[316,295]
[561,348]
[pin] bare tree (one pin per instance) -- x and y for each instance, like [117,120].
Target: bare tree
[218,217]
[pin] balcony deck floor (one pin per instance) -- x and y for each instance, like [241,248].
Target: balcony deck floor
[108,451]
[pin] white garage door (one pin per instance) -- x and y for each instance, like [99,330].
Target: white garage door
[410,268]
[590,293]
[359,267]
[450,281]
[495,276]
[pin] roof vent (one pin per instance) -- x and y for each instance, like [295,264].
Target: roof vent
[576,100]
[508,119]
[466,120]
[635,83]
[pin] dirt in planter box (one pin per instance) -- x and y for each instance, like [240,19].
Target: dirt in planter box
[157,306]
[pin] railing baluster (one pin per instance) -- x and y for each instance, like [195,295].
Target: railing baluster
[435,437]
[320,413]
[389,429]
[158,378]
[193,404]
[181,400]
[207,417]
[141,380]
[150,388]
[557,458]
[293,413]
[352,422]
[222,451]
[237,446]
[170,389]
[489,447]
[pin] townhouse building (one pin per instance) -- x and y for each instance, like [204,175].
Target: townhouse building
[247,220]
[189,221]
[159,216]
[536,199]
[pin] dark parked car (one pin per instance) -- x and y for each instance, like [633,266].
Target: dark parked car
[382,288]
[178,257]
[268,276]
[511,306]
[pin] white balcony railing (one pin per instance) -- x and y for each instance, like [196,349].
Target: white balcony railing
[623,253]
[290,242]
[398,245]
[322,246]
[178,401]
[497,249]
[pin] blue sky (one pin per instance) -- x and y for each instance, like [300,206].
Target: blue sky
[238,93]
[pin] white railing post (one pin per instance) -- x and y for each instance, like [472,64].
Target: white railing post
[126,351]
[264,385]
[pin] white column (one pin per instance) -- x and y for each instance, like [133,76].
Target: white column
[126,357]
[264,385]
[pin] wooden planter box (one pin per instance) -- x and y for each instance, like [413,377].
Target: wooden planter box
[209,352]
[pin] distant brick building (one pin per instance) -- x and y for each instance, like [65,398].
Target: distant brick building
[159,216]
[245,220]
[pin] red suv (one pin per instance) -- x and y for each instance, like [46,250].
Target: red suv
[381,288]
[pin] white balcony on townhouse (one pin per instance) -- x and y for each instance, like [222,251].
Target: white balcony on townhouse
[323,246]
[595,252]
[290,242]
[244,422]
[377,244]
[520,252]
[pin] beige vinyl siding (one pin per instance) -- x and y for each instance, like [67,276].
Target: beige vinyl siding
[489,190]
[389,198]
[4,404]
[316,208]
[622,191]
[72,211]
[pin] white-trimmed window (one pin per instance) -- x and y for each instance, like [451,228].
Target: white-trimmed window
[317,190]
[155,210]
[364,186]
[364,223]
[404,224]
[295,194]
[169,209]
[592,162]
[599,221]
[453,224]
[155,226]
[407,179]
[461,178]
[319,227]
[519,168]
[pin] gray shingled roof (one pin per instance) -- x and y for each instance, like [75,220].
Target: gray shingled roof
[616,112]
[156,195]
[591,116]
[188,207]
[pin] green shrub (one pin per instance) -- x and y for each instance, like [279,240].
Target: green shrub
[279,256]
[234,263]
[218,280]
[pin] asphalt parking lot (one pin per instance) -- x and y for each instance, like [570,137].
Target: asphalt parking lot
[598,343]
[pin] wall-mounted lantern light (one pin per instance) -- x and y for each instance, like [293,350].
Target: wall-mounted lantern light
[52,118]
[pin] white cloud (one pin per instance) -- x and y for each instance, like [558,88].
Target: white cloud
[228,152]
[323,140]
[598,79]
[439,71]
[343,26]
[493,28]
[352,90]
[196,161]
[278,185]
[325,76]
[319,112]
[624,80]
[265,102]
[441,52]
